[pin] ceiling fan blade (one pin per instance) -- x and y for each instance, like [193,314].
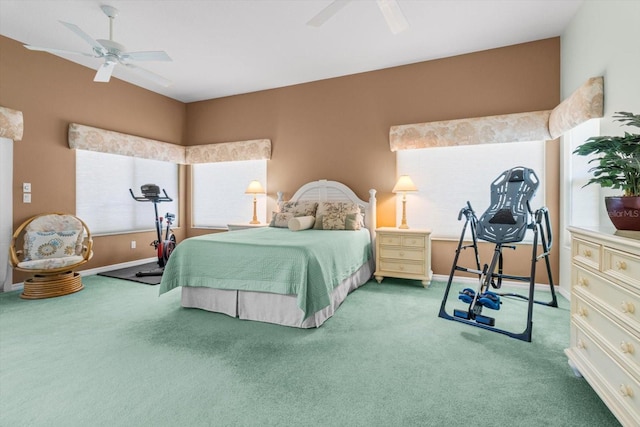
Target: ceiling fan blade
[156,55]
[393,15]
[61,51]
[153,77]
[327,13]
[86,37]
[104,72]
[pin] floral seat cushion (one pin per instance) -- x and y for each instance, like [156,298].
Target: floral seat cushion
[51,263]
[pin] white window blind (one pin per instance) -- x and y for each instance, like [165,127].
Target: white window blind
[218,192]
[103,200]
[448,177]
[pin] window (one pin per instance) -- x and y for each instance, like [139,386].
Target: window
[448,177]
[102,191]
[218,192]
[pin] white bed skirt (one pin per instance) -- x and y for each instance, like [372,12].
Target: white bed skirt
[268,307]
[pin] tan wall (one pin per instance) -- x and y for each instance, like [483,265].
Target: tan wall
[338,129]
[335,129]
[51,93]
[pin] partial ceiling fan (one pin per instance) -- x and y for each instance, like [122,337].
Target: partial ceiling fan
[113,53]
[390,9]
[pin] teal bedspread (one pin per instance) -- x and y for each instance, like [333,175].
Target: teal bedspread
[309,263]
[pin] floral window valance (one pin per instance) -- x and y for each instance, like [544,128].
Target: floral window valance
[256,149]
[481,130]
[11,124]
[584,104]
[106,141]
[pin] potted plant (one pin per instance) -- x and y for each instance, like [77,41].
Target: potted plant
[617,166]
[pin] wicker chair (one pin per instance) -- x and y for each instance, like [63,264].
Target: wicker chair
[53,245]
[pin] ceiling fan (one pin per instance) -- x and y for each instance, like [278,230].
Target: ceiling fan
[113,53]
[390,10]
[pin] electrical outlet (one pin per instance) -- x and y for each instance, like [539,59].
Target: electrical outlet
[26,187]
[26,198]
[133,244]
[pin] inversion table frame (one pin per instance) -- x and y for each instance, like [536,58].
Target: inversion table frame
[506,221]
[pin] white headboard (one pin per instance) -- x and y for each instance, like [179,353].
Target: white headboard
[334,191]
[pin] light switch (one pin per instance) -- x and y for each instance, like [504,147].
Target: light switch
[26,187]
[26,198]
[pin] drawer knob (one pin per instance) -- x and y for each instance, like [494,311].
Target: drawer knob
[401,254]
[627,307]
[581,344]
[582,281]
[587,253]
[402,268]
[627,347]
[583,312]
[626,391]
[621,265]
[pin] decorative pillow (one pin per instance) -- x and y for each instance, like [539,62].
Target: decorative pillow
[337,213]
[334,221]
[353,222]
[301,223]
[50,244]
[300,208]
[280,219]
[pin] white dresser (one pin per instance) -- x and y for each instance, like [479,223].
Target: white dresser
[403,253]
[605,317]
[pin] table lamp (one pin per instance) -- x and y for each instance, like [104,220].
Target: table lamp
[404,185]
[254,188]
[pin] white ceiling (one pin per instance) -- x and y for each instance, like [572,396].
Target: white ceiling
[227,47]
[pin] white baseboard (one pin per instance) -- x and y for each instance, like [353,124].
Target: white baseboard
[473,282]
[94,271]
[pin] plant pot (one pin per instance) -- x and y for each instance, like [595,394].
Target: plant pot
[624,212]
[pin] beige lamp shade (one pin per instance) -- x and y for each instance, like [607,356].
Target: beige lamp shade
[403,186]
[254,188]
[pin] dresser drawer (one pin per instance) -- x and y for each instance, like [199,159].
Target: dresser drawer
[390,239]
[623,303]
[617,382]
[401,267]
[621,342]
[622,266]
[586,253]
[413,242]
[402,253]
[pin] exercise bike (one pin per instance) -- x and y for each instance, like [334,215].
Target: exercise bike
[164,246]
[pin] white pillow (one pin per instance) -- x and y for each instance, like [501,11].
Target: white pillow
[301,223]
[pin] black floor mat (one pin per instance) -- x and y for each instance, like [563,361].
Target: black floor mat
[129,273]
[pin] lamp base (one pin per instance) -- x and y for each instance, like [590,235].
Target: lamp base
[254,222]
[403,226]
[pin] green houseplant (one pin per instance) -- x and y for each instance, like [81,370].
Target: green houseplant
[617,166]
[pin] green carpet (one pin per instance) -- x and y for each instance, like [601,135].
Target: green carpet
[118,355]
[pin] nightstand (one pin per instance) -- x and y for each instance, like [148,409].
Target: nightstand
[244,226]
[403,253]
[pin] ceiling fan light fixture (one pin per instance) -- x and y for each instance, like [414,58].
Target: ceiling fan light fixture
[112,52]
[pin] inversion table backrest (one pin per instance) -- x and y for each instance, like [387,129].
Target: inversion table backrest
[507,219]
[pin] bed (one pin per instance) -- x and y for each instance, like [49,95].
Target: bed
[276,275]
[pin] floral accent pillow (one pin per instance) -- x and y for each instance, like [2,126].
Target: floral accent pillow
[300,208]
[280,219]
[338,216]
[50,244]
